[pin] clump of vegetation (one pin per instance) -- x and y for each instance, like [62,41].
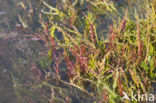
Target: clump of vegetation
[101,66]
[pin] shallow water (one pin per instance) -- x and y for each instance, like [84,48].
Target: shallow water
[18,82]
[18,55]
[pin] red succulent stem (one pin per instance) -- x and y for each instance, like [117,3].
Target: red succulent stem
[52,41]
[138,39]
[123,23]
[92,33]
[123,50]
[57,63]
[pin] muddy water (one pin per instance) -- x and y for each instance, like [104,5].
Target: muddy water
[17,55]
[21,66]
[15,62]
[20,84]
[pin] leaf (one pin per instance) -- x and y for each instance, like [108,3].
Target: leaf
[50,54]
[134,77]
[115,80]
[152,66]
[144,66]
[52,30]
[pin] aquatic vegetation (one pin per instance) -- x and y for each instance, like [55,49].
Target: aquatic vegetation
[94,47]
[101,67]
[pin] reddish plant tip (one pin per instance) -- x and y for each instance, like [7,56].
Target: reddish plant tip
[139,40]
[110,30]
[92,33]
[57,63]
[123,23]
[52,41]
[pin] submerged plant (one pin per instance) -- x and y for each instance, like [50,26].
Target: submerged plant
[104,68]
